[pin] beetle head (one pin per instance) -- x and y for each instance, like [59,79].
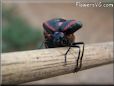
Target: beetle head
[59,39]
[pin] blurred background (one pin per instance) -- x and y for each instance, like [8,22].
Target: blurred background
[22,30]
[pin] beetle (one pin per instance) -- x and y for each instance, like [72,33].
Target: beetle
[59,32]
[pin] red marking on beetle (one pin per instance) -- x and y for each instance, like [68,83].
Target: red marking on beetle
[71,23]
[50,27]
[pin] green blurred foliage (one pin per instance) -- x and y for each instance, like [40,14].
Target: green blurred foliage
[17,34]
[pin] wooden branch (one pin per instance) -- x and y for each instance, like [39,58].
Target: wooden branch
[25,66]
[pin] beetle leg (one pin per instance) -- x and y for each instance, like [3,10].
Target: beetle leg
[66,54]
[79,59]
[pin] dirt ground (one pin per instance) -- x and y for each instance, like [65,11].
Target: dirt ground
[97,27]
